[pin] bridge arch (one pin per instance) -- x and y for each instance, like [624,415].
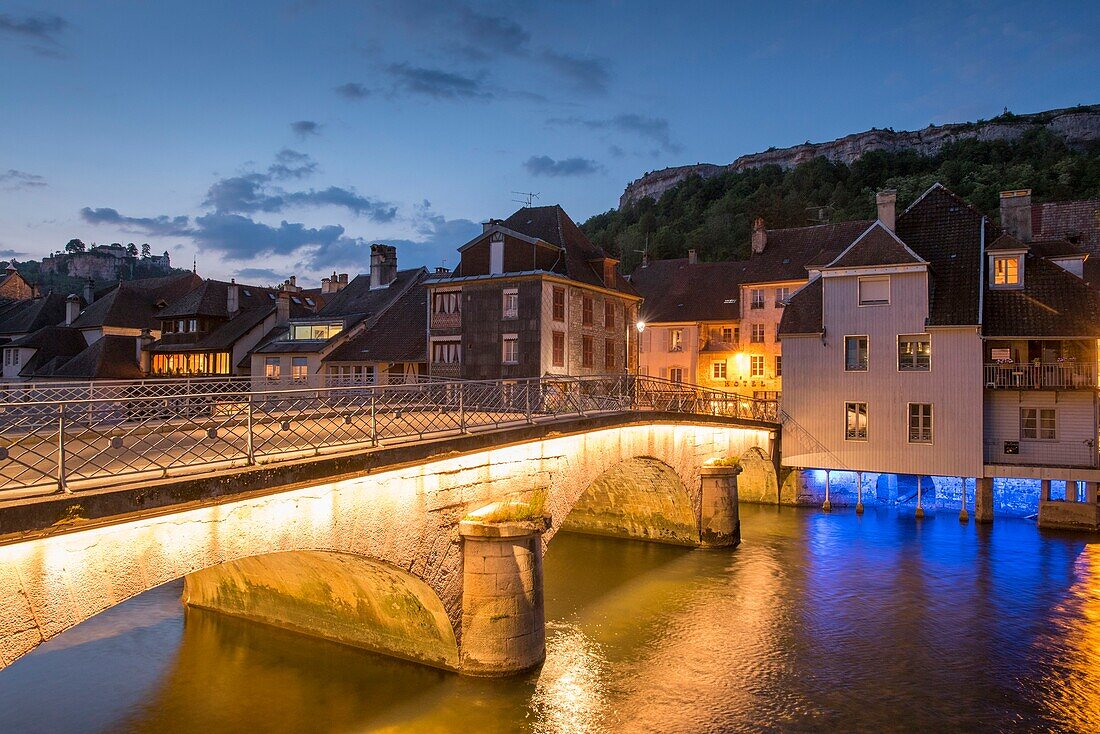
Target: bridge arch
[757,481]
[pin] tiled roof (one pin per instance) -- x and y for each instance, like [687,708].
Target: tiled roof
[1055,248]
[1005,242]
[1076,221]
[876,246]
[211,298]
[357,298]
[133,304]
[1052,303]
[23,317]
[110,358]
[53,345]
[790,252]
[398,334]
[802,314]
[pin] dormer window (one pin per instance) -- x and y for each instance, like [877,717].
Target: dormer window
[1006,271]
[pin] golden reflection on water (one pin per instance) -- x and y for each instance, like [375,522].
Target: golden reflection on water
[569,694]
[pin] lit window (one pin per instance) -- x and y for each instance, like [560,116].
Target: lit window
[510,349]
[915,353]
[756,365]
[299,369]
[727,334]
[273,368]
[757,298]
[757,336]
[920,422]
[675,340]
[855,421]
[855,354]
[1037,424]
[718,370]
[1006,270]
[874,291]
[316,332]
[511,303]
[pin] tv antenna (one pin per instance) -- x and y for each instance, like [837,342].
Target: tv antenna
[528,198]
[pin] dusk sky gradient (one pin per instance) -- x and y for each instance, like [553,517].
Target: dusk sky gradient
[270,139]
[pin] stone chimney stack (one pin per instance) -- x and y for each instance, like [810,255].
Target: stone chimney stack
[887,202]
[383,265]
[232,297]
[144,356]
[1016,214]
[89,292]
[282,308]
[759,236]
[72,308]
[693,257]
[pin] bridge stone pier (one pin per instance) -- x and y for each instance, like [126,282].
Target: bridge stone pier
[431,553]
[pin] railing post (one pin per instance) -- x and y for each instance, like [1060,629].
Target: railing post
[461,408]
[61,486]
[527,392]
[373,420]
[249,437]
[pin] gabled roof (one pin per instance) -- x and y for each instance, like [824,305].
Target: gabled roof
[358,299]
[110,358]
[877,246]
[133,304]
[1006,243]
[397,335]
[23,317]
[1051,303]
[802,314]
[50,343]
[211,298]
[1056,249]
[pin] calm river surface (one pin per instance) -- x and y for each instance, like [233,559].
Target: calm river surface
[816,623]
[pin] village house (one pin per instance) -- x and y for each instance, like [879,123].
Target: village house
[939,352]
[531,296]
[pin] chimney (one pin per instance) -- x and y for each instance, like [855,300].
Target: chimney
[1016,214]
[693,257]
[887,208]
[89,292]
[343,279]
[383,265]
[72,308]
[759,236]
[144,356]
[282,308]
[232,298]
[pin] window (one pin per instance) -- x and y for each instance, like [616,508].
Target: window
[608,315]
[781,296]
[299,369]
[447,352]
[757,298]
[273,368]
[676,374]
[757,336]
[756,365]
[874,290]
[587,349]
[915,353]
[855,421]
[321,332]
[778,366]
[920,422]
[559,303]
[718,370]
[1006,270]
[191,363]
[675,340]
[558,341]
[347,374]
[609,354]
[510,349]
[1037,424]
[586,311]
[855,354]
[727,335]
[510,307]
[445,302]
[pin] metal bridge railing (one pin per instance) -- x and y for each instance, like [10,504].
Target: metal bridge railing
[64,437]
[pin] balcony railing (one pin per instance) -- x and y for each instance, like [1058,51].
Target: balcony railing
[68,437]
[1041,375]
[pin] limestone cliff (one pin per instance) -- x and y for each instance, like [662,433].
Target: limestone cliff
[1077,125]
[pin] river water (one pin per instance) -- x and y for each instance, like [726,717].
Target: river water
[816,623]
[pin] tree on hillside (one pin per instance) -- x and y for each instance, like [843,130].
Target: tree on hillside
[74,246]
[131,250]
[145,250]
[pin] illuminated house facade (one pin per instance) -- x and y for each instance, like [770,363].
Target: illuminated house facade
[947,348]
[531,296]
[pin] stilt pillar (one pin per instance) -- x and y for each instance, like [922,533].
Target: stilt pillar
[503,619]
[920,507]
[964,516]
[859,493]
[827,505]
[1044,490]
[983,499]
[719,522]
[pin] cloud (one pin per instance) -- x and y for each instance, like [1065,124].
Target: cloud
[305,128]
[544,165]
[11,254]
[13,180]
[656,129]
[353,90]
[41,30]
[585,73]
[251,193]
[291,164]
[162,226]
[435,83]
[261,275]
[242,238]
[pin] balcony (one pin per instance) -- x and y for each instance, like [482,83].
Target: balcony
[1041,376]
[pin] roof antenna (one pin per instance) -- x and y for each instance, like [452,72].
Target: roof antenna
[528,198]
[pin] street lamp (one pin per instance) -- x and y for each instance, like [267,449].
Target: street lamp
[640,326]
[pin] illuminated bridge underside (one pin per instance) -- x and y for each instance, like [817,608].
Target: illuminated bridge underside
[380,560]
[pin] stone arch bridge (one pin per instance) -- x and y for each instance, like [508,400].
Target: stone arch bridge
[431,551]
